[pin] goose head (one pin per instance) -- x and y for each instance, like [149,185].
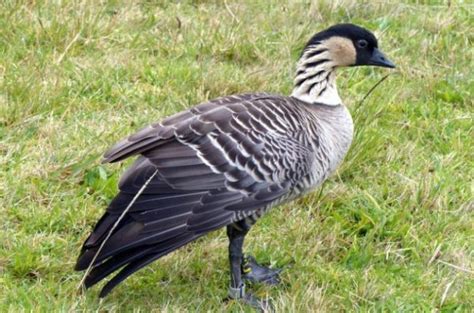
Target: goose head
[341,45]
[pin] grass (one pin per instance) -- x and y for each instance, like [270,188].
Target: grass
[393,230]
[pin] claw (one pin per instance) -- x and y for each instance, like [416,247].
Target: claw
[264,305]
[239,294]
[254,272]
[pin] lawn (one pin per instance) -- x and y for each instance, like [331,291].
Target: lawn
[392,230]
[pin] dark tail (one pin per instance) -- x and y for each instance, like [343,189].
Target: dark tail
[127,248]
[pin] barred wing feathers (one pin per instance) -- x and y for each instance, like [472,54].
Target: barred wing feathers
[217,163]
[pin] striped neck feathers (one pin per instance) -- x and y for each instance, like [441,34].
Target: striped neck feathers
[315,80]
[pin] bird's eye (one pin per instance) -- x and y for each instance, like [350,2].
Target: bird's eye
[362,43]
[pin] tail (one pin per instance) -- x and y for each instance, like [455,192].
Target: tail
[127,249]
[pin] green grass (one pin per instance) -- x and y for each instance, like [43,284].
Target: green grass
[393,230]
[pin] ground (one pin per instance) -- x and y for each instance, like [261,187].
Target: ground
[392,230]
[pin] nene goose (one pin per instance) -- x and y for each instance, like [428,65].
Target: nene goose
[225,163]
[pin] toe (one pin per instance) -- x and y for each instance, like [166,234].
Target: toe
[254,272]
[263,305]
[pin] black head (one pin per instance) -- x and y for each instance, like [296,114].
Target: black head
[363,51]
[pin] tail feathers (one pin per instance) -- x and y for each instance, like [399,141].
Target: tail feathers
[151,256]
[121,240]
[100,230]
[114,263]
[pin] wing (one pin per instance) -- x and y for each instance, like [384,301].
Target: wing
[216,164]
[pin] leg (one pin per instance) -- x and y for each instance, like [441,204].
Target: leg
[236,233]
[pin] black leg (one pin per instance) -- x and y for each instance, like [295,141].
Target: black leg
[236,233]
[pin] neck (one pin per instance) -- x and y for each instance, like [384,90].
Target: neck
[315,80]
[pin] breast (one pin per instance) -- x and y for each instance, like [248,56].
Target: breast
[340,136]
[333,133]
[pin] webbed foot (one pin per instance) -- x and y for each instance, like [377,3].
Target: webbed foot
[254,272]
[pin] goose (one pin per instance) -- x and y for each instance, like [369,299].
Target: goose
[225,163]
